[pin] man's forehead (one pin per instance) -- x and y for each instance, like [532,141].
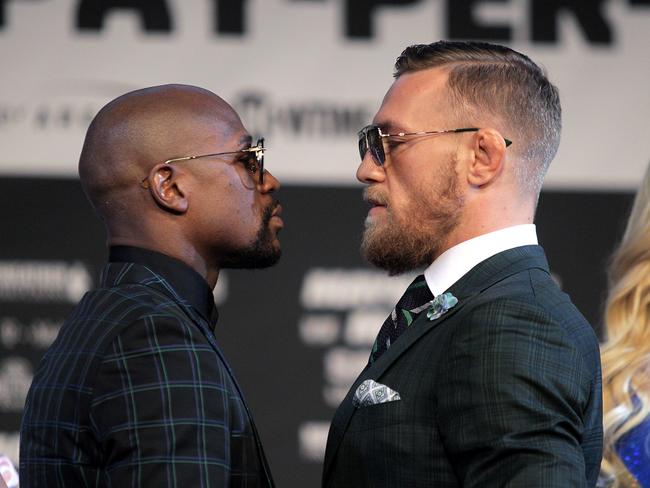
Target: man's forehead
[413,99]
[205,132]
[224,125]
[223,139]
[233,128]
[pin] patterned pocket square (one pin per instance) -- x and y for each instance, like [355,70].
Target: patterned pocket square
[372,393]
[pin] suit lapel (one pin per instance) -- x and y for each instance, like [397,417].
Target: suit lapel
[481,277]
[346,410]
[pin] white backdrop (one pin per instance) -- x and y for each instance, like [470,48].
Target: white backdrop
[297,78]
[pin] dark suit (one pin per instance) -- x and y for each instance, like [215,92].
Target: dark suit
[134,392]
[502,390]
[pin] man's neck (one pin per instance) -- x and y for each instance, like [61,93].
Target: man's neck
[456,261]
[185,253]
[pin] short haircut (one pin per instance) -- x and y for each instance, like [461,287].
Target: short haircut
[495,83]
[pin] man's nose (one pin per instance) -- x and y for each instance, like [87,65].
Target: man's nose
[369,171]
[271,183]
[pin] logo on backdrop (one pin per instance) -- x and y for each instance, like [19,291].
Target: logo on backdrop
[321,118]
[230,17]
[15,378]
[311,118]
[43,281]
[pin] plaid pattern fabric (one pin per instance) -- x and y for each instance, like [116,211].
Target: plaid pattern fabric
[502,390]
[134,392]
[402,316]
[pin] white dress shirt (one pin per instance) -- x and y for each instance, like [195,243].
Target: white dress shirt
[455,262]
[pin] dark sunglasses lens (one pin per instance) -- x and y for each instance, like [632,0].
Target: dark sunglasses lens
[376,146]
[260,159]
[370,140]
[363,147]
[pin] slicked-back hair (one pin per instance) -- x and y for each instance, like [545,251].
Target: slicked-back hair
[493,83]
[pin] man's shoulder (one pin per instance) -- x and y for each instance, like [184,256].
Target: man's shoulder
[131,318]
[128,302]
[105,313]
[532,299]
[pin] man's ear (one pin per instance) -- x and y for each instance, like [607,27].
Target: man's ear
[164,183]
[489,157]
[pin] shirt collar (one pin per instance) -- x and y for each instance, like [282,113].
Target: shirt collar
[187,283]
[455,262]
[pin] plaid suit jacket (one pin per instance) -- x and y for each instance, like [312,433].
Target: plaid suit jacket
[502,390]
[134,392]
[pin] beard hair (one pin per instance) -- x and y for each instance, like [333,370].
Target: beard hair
[261,253]
[413,240]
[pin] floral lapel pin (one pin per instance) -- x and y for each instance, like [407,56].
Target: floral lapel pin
[440,304]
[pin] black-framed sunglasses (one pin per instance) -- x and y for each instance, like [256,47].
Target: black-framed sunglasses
[254,164]
[371,139]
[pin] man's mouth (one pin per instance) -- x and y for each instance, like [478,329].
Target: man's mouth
[275,216]
[376,202]
[377,206]
[374,199]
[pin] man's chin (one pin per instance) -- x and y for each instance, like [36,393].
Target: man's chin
[378,253]
[392,253]
[392,263]
[270,257]
[264,252]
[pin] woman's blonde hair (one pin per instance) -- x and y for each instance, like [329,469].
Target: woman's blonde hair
[626,354]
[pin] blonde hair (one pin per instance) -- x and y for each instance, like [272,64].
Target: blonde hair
[626,354]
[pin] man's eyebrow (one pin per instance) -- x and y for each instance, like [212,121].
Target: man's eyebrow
[390,126]
[246,141]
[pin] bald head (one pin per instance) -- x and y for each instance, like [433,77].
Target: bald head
[140,129]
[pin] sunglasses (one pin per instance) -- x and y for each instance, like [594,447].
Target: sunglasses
[254,160]
[371,139]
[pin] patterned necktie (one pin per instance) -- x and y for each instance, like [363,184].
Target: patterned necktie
[405,312]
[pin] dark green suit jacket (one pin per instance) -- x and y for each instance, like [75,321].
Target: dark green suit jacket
[502,390]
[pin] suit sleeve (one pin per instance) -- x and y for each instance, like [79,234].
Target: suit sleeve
[160,408]
[511,399]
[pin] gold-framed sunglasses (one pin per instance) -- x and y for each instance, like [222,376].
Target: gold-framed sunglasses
[254,164]
[371,139]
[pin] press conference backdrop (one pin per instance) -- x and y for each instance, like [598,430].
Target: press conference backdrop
[306,74]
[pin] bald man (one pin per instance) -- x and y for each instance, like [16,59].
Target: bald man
[134,391]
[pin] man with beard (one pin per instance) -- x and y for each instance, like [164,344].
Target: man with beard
[134,391]
[485,374]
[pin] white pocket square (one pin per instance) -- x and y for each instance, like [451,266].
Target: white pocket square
[372,393]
